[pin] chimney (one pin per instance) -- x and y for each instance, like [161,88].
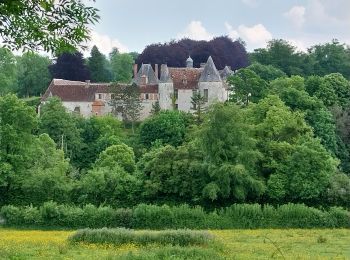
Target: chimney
[87,83]
[135,70]
[156,71]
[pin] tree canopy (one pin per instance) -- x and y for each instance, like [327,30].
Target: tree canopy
[54,26]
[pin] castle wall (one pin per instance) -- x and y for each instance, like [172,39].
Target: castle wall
[85,107]
[216,91]
[165,91]
[184,100]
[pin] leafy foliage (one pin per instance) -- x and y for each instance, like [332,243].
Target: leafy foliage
[223,50]
[51,25]
[70,66]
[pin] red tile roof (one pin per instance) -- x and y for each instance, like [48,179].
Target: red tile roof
[185,78]
[78,91]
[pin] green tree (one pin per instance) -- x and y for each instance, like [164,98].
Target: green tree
[121,65]
[172,174]
[33,74]
[127,102]
[17,124]
[332,57]
[61,126]
[198,102]
[98,133]
[98,66]
[340,86]
[51,25]
[167,127]
[293,160]
[292,92]
[282,55]
[247,87]
[230,150]
[8,72]
[113,187]
[266,72]
[155,108]
[46,178]
[117,155]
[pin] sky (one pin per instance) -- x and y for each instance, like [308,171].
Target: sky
[131,25]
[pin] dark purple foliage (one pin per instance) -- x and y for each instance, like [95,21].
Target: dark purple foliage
[70,66]
[222,49]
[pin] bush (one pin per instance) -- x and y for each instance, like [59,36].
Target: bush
[176,252]
[143,216]
[152,216]
[121,236]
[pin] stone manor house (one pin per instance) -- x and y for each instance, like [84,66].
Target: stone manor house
[173,84]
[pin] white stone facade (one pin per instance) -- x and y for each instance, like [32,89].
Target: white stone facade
[173,90]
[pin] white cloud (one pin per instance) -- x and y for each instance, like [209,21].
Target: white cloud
[251,3]
[299,44]
[296,15]
[195,31]
[105,43]
[255,36]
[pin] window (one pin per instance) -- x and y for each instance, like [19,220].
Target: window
[205,95]
[77,110]
[112,96]
[146,96]
[176,107]
[176,93]
[99,96]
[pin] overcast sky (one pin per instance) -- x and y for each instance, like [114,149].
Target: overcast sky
[132,25]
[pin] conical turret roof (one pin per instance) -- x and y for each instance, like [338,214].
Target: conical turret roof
[210,73]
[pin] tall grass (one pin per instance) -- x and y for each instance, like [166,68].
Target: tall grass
[143,216]
[121,236]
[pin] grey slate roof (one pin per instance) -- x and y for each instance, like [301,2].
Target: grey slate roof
[147,70]
[226,72]
[210,73]
[164,74]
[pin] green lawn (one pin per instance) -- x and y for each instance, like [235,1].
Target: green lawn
[230,244]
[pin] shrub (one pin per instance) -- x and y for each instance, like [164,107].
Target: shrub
[124,236]
[164,217]
[12,215]
[173,252]
[152,216]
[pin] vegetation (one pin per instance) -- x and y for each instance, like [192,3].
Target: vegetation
[49,25]
[143,216]
[126,236]
[241,244]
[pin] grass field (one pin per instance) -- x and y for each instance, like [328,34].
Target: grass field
[230,244]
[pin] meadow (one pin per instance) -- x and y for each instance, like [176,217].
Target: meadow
[227,244]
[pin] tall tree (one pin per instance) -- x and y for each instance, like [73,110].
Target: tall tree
[331,58]
[121,65]
[33,74]
[230,150]
[70,66]
[198,102]
[223,50]
[8,72]
[98,66]
[49,25]
[247,87]
[126,101]
[281,54]
[17,124]
[61,126]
